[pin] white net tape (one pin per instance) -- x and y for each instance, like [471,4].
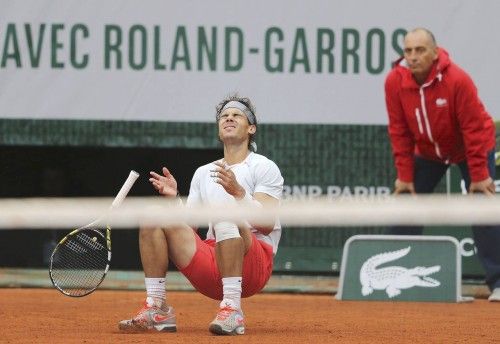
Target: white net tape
[53,213]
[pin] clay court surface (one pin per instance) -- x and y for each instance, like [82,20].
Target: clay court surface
[46,316]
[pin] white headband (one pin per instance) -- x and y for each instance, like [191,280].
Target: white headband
[243,108]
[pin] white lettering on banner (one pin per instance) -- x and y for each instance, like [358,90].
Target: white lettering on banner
[150,58]
[333,191]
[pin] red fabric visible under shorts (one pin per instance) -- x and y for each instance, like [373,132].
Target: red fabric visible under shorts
[204,275]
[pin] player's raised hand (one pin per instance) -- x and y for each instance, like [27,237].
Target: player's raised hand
[223,175]
[166,184]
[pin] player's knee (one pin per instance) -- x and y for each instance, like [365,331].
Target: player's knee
[147,232]
[226,230]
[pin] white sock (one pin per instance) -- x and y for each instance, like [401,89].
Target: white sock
[231,289]
[155,289]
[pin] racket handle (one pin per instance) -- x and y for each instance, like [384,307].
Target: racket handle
[132,177]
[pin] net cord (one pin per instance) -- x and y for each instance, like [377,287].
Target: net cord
[67,213]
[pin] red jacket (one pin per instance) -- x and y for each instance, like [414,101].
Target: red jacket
[442,120]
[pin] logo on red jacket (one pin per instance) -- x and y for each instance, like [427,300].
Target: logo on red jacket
[441,102]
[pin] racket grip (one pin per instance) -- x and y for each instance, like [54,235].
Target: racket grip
[132,177]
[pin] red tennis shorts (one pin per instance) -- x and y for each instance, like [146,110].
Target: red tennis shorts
[204,274]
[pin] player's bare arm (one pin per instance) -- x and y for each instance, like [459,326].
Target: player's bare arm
[225,177]
[265,200]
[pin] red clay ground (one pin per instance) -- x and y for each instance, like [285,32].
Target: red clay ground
[46,316]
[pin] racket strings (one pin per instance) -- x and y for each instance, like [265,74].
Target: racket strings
[88,242]
[80,263]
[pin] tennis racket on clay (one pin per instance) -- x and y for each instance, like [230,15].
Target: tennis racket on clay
[80,261]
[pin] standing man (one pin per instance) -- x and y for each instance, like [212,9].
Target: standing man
[436,119]
[236,260]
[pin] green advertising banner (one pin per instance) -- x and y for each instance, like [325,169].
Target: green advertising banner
[401,268]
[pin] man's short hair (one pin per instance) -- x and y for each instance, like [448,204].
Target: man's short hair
[428,32]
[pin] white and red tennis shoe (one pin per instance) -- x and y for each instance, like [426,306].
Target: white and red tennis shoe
[151,317]
[229,321]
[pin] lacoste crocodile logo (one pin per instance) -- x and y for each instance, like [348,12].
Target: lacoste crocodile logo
[441,102]
[393,279]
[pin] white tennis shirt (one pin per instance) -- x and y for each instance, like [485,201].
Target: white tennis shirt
[255,174]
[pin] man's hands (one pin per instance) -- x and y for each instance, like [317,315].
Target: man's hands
[166,184]
[403,187]
[225,177]
[484,186]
